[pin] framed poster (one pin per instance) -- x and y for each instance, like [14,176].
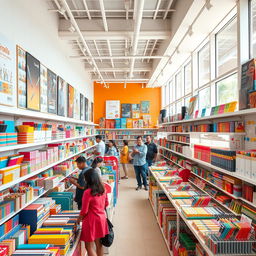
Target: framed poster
[33,82]
[126,110]
[77,105]
[71,98]
[86,107]
[52,92]
[145,106]
[92,112]
[43,89]
[7,74]
[21,77]
[82,109]
[62,99]
[136,107]
[112,109]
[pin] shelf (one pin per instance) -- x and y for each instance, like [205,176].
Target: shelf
[180,142]
[121,139]
[217,133]
[171,161]
[71,252]
[125,129]
[10,184]
[29,145]
[219,116]
[12,111]
[233,174]
[157,221]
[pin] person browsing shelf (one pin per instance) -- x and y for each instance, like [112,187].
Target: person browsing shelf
[124,158]
[139,162]
[80,182]
[100,147]
[96,164]
[112,149]
[152,151]
[92,215]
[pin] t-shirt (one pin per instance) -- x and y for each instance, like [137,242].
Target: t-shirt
[140,158]
[152,150]
[82,183]
[100,148]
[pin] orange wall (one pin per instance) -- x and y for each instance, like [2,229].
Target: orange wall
[133,93]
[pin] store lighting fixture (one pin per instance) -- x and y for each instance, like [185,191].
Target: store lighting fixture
[190,31]
[208,4]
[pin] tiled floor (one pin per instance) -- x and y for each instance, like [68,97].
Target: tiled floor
[136,230]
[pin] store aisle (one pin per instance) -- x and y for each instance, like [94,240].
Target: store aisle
[136,230]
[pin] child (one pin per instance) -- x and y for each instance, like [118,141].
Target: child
[112,149]
[96,164]
[124,159]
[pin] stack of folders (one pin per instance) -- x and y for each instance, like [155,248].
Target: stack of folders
[201,212]
[183,194]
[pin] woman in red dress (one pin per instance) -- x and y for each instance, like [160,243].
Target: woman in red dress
[92,215]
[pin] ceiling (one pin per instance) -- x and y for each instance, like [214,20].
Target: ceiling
[118,40]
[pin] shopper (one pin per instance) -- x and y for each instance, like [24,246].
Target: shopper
[100,148]
[92,215]
[124,159]
[80,182]
[152,151]
[139,161]
[96,164]
[112,149]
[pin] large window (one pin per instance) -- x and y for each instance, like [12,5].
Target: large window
[204,98]
[204,65]
[167,95]
[226,48]
[187,79]
[253,28]
[227,89]
[178,83]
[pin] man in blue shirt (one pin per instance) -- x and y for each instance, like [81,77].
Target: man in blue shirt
[139,161]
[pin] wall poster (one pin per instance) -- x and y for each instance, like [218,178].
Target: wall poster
[43,89]
[126,110]
[86,105]
[7,74]
[145,106]
[21,77]
[62,99]
[52,92]
[82,109]
[33,82]
[77,105]
[112,109]
[92,112]
[71,97]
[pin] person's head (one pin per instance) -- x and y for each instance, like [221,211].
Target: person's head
[111,143]
[97,162]
[125,142]
[98,138]
[139,140]
[81,162]
[93,182]
[148,138]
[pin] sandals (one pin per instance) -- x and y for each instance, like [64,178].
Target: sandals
[124,178]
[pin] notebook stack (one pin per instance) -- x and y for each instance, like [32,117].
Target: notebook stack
[201,212]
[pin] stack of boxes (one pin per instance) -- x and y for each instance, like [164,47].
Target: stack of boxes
[8,135]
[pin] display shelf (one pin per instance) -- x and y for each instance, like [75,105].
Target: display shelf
[10,184]
[12,111]
[157,221]
[125,129]
[188,222]
[121,139]
[218,202]
[180,142]
[248,202]
[171,161]
[219,116]
[217,133]
[32,201]
[233,174]
[29,145]
[71,252]
[182,133]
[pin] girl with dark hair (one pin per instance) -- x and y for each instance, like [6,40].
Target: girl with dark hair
[92,215]
[112,149]
[124,158]
[96,164]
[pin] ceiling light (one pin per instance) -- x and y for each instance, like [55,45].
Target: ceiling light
[72,28]
[62,11]
[208,4]
[190,31]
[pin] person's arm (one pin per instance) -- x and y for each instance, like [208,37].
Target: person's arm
[143,153]
[74,182]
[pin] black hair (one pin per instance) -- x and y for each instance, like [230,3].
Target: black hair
[98,137]
[81,159]
[114,144]
[96,161]
[93,182]
[148,135]
[125,142]
[139,137]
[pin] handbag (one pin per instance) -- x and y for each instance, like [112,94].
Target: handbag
[108,239]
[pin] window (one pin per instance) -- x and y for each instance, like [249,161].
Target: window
[163,96]
[204,98]
[178,83]
[167,94]
[227,90]
[187,79]
[171,91]
[204,65]
[186,101]
[178,107]
[253,28]
[226,48]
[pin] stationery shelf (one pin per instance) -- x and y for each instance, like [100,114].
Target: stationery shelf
[126,129]
[180,142]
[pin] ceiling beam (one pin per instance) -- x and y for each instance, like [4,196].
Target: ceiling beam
[87,10]
[103,14]
[152,50]
[157,8]
[119,57]
[168,8]
[145,69]
[96,47]
[145,50]
[109,10]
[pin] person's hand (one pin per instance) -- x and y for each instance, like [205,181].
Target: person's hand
[72,181]
[135,151]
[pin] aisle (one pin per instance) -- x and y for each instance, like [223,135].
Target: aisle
[136,230]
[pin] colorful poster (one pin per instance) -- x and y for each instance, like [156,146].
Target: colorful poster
[92,112]
[126,110]
[82,109]
[7,74]
[43,89]
[86,105]
[33,82]
[89,111]
[52,92]
[112,109]
[77,105]
[71,98]
[62,99]
[21,77]
[136,107]
[145,105]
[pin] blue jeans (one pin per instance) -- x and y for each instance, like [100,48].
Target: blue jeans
[149,163]
[140,172]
